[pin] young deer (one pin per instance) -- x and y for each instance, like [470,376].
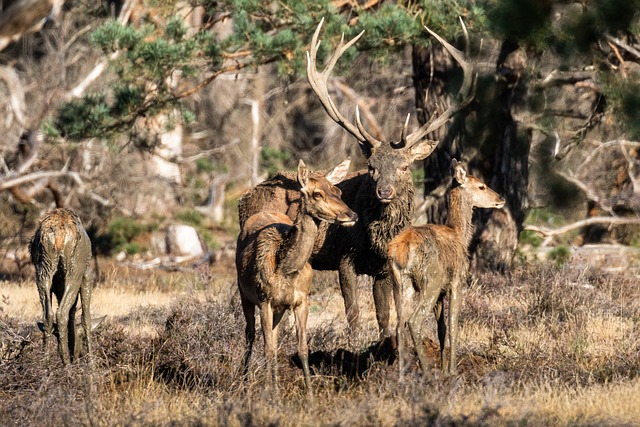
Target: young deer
[272,261]
[61,251]
[434,259]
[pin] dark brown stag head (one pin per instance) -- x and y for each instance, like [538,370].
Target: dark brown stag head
[389,163]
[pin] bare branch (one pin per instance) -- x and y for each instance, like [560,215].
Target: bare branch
[551,232]
[557,78]
[4,185]
[16,94]
[623,45]
[591,195]
[80,88]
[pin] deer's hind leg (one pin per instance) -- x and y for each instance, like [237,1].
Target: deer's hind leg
[455,302]
[249,310]
[400,281]
[85,298]
[269,332]
[429,294]
[44,280]
[438,311]
[65,318]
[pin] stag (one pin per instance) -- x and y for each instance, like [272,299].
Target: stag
[61,252]
[433,259]
[382,196]
[272,261]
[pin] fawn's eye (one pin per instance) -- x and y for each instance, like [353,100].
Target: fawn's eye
[482,187]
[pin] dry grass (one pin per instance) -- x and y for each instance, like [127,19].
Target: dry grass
[539,346]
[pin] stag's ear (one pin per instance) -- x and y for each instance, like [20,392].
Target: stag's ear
[303,174]
[458,171]
[422,149]
[338,173]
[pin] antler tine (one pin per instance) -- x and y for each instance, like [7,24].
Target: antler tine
[403,136]
[319,82]
[468,69]
[372,140]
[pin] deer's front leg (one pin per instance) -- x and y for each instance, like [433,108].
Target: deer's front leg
[382,289]
[301,313]
[398,297]
[348,286]
[455,302]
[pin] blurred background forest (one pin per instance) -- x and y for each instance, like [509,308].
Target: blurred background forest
[141,115]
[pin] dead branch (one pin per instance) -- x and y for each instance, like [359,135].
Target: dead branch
[549,233]
[589,192]
[613,143]
[4,185]
[557,78]
[432,198]
[80,88]
[16,94]
[623,45]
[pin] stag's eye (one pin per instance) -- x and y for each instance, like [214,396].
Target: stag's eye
[482,187]
[317,195]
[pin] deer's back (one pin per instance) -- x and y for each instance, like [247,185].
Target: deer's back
[435,251]
[366,241]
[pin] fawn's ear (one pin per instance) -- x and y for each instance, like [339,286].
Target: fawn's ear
[303,174]
[338,173]
[458,171]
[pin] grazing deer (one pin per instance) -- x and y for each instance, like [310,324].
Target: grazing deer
[61,251]
[272,261]
[434,259]
[382,196]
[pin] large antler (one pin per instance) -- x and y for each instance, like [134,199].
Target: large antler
[318,82]
[464,96]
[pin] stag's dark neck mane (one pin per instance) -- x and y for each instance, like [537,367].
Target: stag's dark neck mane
[385,220]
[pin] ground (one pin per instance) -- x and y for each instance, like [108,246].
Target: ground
[543,345]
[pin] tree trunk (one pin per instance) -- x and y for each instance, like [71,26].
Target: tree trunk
[487,138]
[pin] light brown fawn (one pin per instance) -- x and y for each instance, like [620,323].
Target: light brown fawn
[434,259]
[61,251]
[272,261]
